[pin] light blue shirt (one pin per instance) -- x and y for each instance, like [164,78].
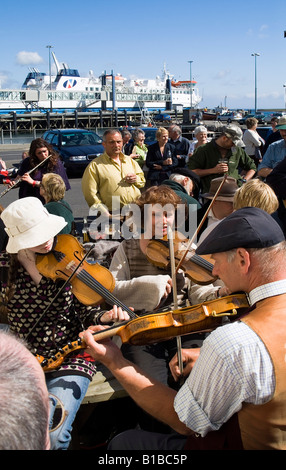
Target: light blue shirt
[234,367]
[273,155]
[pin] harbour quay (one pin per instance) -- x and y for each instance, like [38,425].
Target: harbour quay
[36,123]
[87,120]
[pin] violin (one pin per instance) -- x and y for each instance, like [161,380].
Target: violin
[157,327]
[91,283]
[20,179]
[197,268]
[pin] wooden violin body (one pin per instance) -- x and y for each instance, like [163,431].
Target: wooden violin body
[197,268]
[91,283]
[64,259]
[160,326]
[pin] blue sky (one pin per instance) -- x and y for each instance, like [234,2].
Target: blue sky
[137,38]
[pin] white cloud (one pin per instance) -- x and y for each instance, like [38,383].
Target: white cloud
[263,31]
[263,27]
[7,81]
[3,78]
[222,74]
[28,58]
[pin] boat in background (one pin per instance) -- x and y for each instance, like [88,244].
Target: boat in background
[67,91]
[209,115]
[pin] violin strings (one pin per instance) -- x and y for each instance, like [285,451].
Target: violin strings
[202,262]
[100,289]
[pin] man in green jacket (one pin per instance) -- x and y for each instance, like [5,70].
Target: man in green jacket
[186,184]
[223,155]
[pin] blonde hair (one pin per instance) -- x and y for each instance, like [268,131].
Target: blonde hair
[54,187]
[160,131]
[256,193]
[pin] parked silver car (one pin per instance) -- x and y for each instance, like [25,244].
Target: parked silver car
[229,117]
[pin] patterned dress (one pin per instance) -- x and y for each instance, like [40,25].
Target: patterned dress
[61,323]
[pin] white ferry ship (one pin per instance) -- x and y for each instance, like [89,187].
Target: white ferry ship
[67,91]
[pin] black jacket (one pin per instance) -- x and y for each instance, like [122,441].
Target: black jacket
[154,156]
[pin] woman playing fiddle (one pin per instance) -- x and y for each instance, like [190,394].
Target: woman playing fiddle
[144,285]
[46,327]
[30,181]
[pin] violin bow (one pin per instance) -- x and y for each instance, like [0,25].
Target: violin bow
[201,223]
[175,294]
[20,179]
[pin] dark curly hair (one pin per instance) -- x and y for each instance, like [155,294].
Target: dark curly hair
[38,144]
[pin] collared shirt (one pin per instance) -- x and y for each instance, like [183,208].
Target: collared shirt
[275,153]
[104,178]
[182,145]
[234,367]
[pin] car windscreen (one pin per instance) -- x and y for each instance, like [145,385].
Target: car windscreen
[72,139]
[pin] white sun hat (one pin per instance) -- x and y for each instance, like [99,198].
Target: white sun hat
[29,224]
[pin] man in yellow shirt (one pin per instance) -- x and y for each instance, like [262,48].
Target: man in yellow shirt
[112,174]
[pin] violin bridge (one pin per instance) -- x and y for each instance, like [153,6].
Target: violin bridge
[213,313]
[229,314]
[71,266]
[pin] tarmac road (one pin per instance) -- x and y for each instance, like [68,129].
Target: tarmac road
[13,154]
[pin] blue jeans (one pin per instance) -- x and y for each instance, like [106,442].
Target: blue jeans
[144,440]
[4,327]
[71,390]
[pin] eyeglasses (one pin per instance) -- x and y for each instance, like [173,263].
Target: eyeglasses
[59,414]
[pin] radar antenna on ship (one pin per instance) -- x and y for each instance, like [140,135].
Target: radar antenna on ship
[56,62]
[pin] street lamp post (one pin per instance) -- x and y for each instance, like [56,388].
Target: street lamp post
[284,86]
[50,73]
[255,54]
[190,62]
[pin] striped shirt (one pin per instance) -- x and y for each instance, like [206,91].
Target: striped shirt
[234,367]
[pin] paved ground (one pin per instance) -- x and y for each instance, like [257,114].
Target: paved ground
[12,154]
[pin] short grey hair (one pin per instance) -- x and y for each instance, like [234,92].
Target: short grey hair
[136,133]
[199,129]
[177,177]
[125,132]
[176,129]
[24,412]
[266,258]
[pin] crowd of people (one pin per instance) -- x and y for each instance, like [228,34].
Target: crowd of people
[220,389]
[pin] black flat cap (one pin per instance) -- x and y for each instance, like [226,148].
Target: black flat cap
[249,227]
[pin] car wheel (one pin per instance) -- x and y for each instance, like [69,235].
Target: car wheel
[229,121]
